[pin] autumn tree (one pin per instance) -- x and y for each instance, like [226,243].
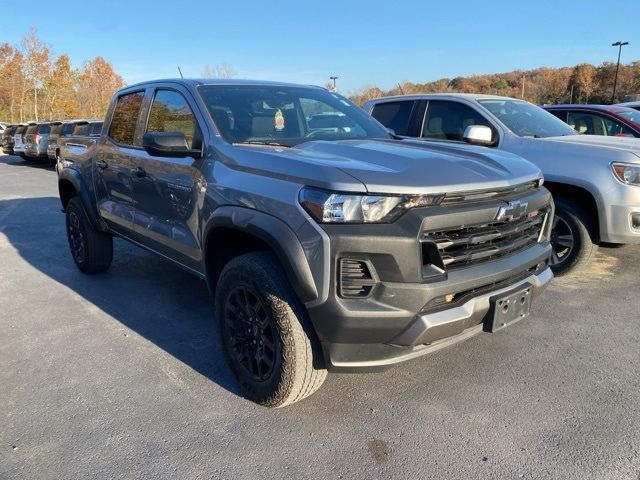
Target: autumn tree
[36,66]
[96,83]
[584,81]
[59,88]
[223,70]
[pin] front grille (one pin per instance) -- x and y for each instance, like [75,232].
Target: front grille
[356,280]
[473,244]
[505,194]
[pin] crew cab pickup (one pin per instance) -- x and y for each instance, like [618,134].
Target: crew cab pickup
[327,247]
[595,181]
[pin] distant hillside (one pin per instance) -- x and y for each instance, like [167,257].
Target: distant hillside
[584,83]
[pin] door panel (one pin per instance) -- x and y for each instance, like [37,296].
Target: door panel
[166,190]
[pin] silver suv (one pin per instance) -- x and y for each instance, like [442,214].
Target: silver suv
[595,181]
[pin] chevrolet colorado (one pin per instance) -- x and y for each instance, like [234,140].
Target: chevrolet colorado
[327,247]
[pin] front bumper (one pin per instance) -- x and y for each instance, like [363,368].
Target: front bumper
[454,325]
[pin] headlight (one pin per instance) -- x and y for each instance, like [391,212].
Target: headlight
[627,173]
[335,207]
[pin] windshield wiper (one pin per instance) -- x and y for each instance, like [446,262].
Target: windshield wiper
[261,142]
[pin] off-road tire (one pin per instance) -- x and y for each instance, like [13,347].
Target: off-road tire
[298,370]
[96,247]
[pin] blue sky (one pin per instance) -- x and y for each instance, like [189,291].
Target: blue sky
[364,43]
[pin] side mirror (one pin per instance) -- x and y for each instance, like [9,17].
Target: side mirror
[478,135]
[168,144]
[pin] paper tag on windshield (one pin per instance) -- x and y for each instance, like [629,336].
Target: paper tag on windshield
[278,120]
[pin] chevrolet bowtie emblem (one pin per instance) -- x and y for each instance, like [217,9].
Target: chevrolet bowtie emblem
[513,211]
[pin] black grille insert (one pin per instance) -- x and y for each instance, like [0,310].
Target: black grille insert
[477,243]
[356,280]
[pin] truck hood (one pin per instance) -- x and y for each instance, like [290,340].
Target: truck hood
[401,167]
[590,141]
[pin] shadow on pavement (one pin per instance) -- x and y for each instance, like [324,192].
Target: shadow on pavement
[40,163]
[159,301]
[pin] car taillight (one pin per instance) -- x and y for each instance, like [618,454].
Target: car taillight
[36,138]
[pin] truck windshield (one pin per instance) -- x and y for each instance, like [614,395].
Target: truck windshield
[527,120]
[285,115]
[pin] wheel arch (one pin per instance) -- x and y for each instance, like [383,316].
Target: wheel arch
[232,231]
[580,196]
[71,184]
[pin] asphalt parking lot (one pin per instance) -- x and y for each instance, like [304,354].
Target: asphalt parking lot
[121,376]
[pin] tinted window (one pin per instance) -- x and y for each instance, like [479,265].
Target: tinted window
[281,114]
[31,129]
[593,124]
[44,128]
[448,120]
[55,129]
[95,129]
[525,119]
[125,118]
[67,128]
[21,130]
[170,112]
[561,114]
[82,129]
[394,115]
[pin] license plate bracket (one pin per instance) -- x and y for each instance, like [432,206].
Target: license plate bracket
[508,308]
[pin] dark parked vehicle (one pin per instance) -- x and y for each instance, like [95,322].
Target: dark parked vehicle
[88,128]
[7,139]
[326,248]
[606,120]
[59,130]
[36,140]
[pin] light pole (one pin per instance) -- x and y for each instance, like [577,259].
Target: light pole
[615,81]
[334,81]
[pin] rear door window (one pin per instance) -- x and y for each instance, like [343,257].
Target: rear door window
[447,120]
[394,115]
[95,129]
[125,118]
[594,124]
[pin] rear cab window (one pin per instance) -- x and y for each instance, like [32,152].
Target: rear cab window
[125,118]
[394,115]
[55,129]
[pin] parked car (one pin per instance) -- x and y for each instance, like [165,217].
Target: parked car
[634,105]
[59,129]
[3,126]
[88,128]
[326,249]
[36,140]
[7,139]
[18,140]
[606,120]
[595,181]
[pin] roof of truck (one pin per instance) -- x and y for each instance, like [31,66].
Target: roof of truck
[194,82]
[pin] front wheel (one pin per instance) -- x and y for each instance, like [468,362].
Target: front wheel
[571,240]
[92,250]
[268,340]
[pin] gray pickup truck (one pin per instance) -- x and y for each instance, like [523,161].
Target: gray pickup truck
[595,180]
[327,247]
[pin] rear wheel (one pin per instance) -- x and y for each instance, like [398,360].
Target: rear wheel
[571,239]
[268,340]
[92,250]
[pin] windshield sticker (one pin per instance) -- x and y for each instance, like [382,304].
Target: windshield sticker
[279,120]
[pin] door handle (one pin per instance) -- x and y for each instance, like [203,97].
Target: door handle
[139,172]
[102,164]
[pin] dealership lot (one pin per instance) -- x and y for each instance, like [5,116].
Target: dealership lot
[120,376]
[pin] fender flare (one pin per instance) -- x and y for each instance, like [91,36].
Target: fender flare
[75,178]
[277,235]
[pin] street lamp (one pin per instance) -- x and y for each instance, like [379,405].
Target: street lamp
[615,81]
[334,81]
